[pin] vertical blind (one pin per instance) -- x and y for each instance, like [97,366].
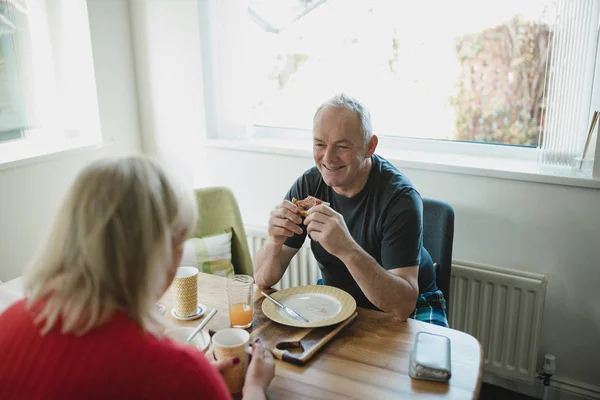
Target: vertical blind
[571,75]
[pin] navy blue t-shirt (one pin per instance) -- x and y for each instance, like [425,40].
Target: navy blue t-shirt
[385,218]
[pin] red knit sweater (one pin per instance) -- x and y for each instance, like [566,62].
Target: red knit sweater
[115,360]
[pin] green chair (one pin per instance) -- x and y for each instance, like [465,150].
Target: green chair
[217,211]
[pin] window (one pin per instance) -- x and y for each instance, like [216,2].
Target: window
[14,38]
[454,71]
[47,86]
[475,76]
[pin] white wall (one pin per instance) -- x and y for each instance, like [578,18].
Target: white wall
[548,229]
[30,194]
[169,80]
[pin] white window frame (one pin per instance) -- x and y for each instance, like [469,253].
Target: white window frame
[510,158]
[65,83]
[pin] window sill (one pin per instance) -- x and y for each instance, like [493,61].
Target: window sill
[28,153]
[492,167]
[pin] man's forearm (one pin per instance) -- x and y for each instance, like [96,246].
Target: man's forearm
[389,293]
[267,265]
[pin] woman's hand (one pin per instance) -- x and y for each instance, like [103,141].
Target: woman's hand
[221,365]
[260,371]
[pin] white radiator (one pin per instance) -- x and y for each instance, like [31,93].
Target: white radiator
[501,307]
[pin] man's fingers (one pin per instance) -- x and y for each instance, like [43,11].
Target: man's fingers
[322,209]
[291,216]
[294,228]
[316,217]
[315,227]
[279,231]
[284,213]
[316,236]
[287,225]
[286,204]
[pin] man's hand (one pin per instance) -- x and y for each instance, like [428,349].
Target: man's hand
[271,261]
[328,228]
[283,222]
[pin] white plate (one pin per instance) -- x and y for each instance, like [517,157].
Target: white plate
[314,307]
[200,341]
[321,305]
[200,310]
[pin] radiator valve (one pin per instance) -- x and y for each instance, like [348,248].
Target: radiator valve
[548,369]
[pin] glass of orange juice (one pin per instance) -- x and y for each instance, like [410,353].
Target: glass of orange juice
[239,291]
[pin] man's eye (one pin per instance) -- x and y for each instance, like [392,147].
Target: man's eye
[319,145]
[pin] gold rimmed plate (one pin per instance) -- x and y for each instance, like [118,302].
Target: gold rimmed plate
[321,305]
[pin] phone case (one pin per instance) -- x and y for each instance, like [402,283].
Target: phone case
[430,357]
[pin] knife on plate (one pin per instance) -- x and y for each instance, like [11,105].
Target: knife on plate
[288,310]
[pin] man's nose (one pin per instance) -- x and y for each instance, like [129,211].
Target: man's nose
[329,154]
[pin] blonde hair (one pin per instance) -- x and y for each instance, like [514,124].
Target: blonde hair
[111,246]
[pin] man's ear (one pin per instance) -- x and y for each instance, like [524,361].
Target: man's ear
[372,145]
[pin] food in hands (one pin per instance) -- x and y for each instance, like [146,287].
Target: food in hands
[307,204]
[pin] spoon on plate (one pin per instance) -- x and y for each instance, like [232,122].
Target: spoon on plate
[201,325]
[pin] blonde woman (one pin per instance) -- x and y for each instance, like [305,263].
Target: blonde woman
[87,328]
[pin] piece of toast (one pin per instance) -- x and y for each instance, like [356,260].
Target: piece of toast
[307,204]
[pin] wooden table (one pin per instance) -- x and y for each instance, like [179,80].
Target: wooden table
[367,360]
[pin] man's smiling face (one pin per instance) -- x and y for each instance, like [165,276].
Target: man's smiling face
[340,151]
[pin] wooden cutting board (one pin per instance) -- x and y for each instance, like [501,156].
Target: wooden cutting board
[290,344]
[294,345]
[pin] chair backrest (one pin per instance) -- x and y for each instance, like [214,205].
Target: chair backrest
[218,210]
[438,236]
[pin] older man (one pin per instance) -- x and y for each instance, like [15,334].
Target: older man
[369,240]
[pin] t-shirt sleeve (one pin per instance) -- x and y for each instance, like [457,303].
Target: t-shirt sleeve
[402,231]
[297,191]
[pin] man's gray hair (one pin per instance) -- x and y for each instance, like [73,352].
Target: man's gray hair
[352,104]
